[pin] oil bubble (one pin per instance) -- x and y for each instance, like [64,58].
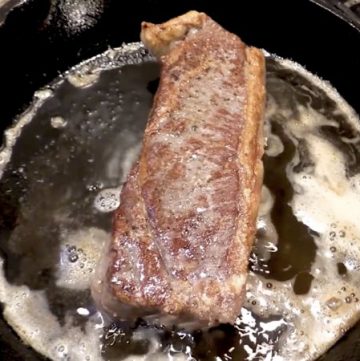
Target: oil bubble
[107,200]
[58,122]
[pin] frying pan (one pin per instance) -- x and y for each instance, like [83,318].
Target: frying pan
[39,41]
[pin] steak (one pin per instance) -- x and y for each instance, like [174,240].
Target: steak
[185,226]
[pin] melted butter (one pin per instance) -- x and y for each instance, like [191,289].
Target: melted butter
[62,168]
[323,197]
[28,313]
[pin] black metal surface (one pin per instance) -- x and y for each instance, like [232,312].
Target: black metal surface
[347,10]
[38,42]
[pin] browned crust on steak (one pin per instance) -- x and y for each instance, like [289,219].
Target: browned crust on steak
[186,223]
[160,38]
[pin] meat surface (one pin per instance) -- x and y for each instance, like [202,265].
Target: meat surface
[185,226]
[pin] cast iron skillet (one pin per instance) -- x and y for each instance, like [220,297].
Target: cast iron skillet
[37,43]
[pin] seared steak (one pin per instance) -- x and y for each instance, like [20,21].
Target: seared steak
[185,227]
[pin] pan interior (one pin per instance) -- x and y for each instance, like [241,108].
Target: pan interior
[62,167]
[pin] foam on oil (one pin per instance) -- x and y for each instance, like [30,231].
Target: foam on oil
[302,293]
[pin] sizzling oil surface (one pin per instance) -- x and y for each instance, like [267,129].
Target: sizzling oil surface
[61,179]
